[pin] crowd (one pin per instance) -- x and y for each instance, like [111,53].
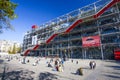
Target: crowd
[56,63]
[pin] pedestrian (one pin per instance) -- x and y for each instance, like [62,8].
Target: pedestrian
[24,60]
[49,64]
[72,61]
[94,64]
[91,64]
[28,61]
[76,62]
[60,68]
[62,63]
[56,64]
[36,61]
[51,60]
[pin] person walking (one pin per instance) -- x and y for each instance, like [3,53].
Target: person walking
[91,65]
[56,64]
[94,64]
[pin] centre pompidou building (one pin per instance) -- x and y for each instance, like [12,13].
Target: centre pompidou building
[90,32]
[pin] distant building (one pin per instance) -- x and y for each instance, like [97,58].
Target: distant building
[7,45]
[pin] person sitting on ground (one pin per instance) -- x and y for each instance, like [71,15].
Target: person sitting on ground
[49,65]
[34,64]
[60,68]
[79,71]
[28,61]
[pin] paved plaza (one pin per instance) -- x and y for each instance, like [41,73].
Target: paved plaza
[15,70]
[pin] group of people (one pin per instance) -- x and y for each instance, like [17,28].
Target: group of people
[55,63]
[58,64]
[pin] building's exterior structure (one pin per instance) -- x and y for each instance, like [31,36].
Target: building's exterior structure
[7,45]
[91,32]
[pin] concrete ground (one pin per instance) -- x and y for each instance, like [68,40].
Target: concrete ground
[14,70]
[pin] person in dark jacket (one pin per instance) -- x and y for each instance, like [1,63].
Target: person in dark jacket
[90,64]
[94,64]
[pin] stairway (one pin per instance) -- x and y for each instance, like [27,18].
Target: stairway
[99,11]
[30,48]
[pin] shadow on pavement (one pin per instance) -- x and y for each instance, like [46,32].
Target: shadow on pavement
[1,61]
[18,75]
[116,73]
[114,67]
[47,76]
[113,61]
[87,68]
[113,76]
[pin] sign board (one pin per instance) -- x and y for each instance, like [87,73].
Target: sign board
[34,40]
[91,41]
[117,54]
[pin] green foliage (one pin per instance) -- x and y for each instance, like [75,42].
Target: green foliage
[7,13]
[14,49]
[7,8]
[18,49]
[9,52]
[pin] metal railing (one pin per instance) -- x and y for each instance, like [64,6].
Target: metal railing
[70,18]
[60,24]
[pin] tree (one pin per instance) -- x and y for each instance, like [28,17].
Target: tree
[10,50]
[7,13]
[18,49]
[14,49]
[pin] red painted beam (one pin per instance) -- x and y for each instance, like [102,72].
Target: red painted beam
[117,0]
[72,26]
[26,52]
[51,37]
[68,30]
[36,46]
[105,8]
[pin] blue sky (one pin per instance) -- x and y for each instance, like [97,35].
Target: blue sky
[36,12]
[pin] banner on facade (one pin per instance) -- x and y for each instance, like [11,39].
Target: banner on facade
[117,54]
[34,40]
[91,41]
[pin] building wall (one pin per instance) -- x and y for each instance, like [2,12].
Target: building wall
[6,45]
[107,26]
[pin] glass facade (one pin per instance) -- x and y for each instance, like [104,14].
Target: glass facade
[53,38]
